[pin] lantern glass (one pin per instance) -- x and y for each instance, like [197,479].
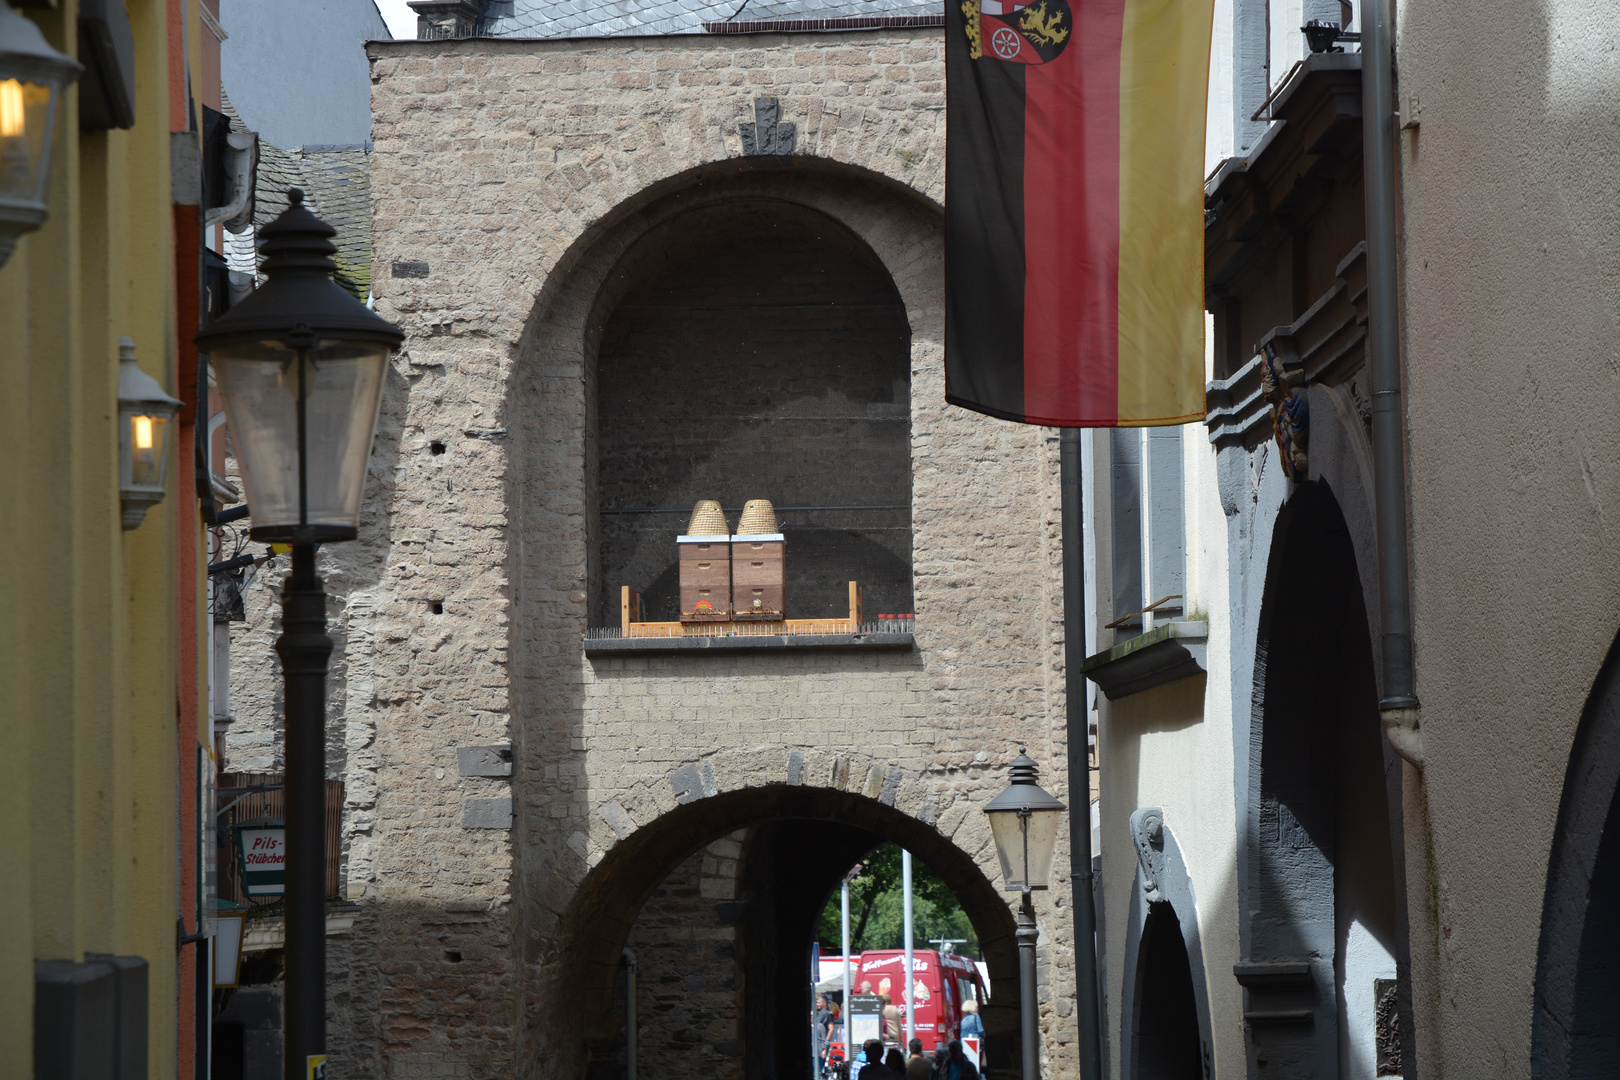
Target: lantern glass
[1025,843]
[148,449]
[340,383]
[25,114]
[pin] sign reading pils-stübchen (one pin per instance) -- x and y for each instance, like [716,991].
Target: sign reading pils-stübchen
[1019,33]
[262,845]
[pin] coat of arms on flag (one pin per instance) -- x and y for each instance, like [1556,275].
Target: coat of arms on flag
[1020,33]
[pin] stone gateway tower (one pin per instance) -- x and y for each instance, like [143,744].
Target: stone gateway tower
[636,272]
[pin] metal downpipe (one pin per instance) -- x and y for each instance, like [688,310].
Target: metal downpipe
[1398,705]
[1078,735]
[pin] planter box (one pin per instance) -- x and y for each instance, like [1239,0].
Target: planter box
[705,578]
[758,575]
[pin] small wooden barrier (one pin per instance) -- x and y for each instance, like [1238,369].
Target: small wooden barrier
[631,626]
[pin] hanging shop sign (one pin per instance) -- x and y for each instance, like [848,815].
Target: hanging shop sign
[261,845]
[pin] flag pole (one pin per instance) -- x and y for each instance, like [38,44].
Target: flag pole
[1078,729]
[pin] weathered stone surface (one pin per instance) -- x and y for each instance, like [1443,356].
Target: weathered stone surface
[526,174]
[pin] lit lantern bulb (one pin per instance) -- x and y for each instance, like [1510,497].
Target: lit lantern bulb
[13,121]
[143,433]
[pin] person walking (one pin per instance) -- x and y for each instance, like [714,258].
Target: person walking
[918,1067]
[957,1066]
[892,1030]
[896,1061]
[824,1031]
[874,1069]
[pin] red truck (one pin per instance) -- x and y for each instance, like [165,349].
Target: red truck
[940,986]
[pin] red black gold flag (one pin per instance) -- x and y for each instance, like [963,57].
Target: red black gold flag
[1074,209]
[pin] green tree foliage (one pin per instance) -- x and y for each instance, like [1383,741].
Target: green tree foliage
[877,909]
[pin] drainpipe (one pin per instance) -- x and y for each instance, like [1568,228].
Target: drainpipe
[630,1015]
[1398,705]
[1078,734]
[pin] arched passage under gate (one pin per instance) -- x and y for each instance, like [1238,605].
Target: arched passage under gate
[800,841]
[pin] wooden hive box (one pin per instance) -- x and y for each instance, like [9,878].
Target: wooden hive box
[705,578]
[757,576]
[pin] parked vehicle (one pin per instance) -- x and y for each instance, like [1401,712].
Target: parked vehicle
[940,984]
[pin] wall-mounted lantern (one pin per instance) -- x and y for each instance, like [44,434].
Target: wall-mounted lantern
[32,78]
[144,412]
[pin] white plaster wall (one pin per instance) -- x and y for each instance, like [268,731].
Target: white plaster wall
[1365,960]
[1511,244]
[296,70]
[1172,747]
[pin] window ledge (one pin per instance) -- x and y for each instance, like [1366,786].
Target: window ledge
[751,643]
[1162,655]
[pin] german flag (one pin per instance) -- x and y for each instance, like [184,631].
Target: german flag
[1074,238]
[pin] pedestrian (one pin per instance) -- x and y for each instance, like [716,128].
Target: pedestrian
[874,1069]
[972,1025]
[896,1061]
[891,1021]
[824,1031]
[917,1066]
[942,1060]
[957,1066]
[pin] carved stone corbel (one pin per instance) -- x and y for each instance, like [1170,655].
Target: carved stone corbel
[1147,830]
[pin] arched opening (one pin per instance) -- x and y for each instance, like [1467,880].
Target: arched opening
[1321,935]
[1168,1046]
[1577,1017]
[719,901]
[753,349]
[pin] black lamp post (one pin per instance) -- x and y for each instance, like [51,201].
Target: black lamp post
[1024,823]
[300,364]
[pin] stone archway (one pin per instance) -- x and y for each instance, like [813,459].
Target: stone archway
[1321,935]
[1576,1026]
[1166,1030]
[775,996]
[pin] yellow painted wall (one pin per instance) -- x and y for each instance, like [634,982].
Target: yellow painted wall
[89,764]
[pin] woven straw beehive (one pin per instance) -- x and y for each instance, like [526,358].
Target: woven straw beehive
[708,520]
[758,518]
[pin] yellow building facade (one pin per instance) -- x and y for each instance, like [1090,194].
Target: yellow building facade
[101,681]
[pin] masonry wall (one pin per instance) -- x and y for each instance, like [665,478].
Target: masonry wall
[514,181]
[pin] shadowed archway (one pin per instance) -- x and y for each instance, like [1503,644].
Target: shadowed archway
[1322,949]
[1576,1027]
[803,840]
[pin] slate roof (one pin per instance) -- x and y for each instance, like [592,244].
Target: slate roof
[612,18]
[336,182]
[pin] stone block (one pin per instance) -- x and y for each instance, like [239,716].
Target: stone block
[486,813]
[493,760]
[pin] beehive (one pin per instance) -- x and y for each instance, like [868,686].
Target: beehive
[758,555]
[705,559]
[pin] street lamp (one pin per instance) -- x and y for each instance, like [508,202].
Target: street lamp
[32,78]
[300,364]
[144,412]
[1024,823]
